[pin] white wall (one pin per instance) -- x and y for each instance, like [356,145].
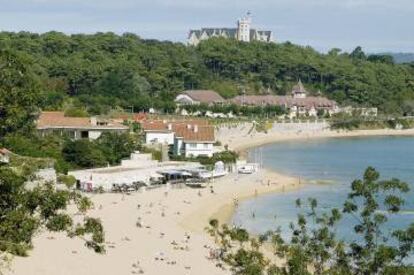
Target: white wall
[185,99]
[158,137]
[94,134]
[178,146]
[197,149]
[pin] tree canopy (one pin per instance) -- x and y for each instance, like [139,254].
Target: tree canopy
[106,70]
[314,247]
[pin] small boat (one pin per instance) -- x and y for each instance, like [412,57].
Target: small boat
[248,169]
[196,184]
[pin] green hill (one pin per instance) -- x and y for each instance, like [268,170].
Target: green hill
[105,70]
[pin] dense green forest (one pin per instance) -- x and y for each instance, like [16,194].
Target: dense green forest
[103,71]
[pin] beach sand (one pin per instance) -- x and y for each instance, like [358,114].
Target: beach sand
[239,138]
[172,239]
[167,216]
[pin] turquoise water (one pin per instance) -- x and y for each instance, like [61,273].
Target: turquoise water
[335,162]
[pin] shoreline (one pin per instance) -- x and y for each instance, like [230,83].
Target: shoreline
[168,217]
[264,139]
[222,208]
[226,212]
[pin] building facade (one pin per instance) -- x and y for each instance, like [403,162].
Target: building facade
[243,32]
[184,138]
[298,102]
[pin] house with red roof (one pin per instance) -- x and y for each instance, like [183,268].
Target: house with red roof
[189,138]
[76,127]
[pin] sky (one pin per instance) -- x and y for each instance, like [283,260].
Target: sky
[376,25]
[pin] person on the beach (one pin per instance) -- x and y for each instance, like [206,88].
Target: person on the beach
[139,223]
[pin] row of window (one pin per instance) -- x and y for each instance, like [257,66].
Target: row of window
[194,145]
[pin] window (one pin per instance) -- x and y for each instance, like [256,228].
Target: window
[192,145]
[84,134]
[205,145]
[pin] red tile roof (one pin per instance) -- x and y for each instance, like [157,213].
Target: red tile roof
[4,151]
[58,119]
[286,101]
[195,134]
[162,125]
[189,130]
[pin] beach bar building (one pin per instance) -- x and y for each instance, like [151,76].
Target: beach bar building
[139,168]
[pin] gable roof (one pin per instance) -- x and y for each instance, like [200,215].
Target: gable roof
[204,96]
[188,130]
[195,134]
[59,120]
[162,125]
[299,88]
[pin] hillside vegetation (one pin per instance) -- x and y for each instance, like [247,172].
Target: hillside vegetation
[102,71]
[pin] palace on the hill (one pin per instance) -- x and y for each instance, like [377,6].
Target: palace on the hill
[243,32]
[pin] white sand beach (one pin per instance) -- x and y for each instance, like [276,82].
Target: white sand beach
[171,239]
[240,138]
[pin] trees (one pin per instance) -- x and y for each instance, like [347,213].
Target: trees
[83,153]
[106,70]
[116,147]
[314,247]
[24,212]
[19,92]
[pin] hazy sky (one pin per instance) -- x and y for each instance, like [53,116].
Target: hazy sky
[376,25]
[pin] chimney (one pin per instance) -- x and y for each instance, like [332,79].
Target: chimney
[169,126]
[94,121]
[195,128]
[188,126]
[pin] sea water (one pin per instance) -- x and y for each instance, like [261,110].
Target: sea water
[328,166]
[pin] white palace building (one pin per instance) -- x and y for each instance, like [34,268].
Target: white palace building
[243,32]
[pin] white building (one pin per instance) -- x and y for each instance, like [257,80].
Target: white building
[4,155]
[194,141]
[243,32]
[76,127]
[139,168]
[185,138]
[158,133]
